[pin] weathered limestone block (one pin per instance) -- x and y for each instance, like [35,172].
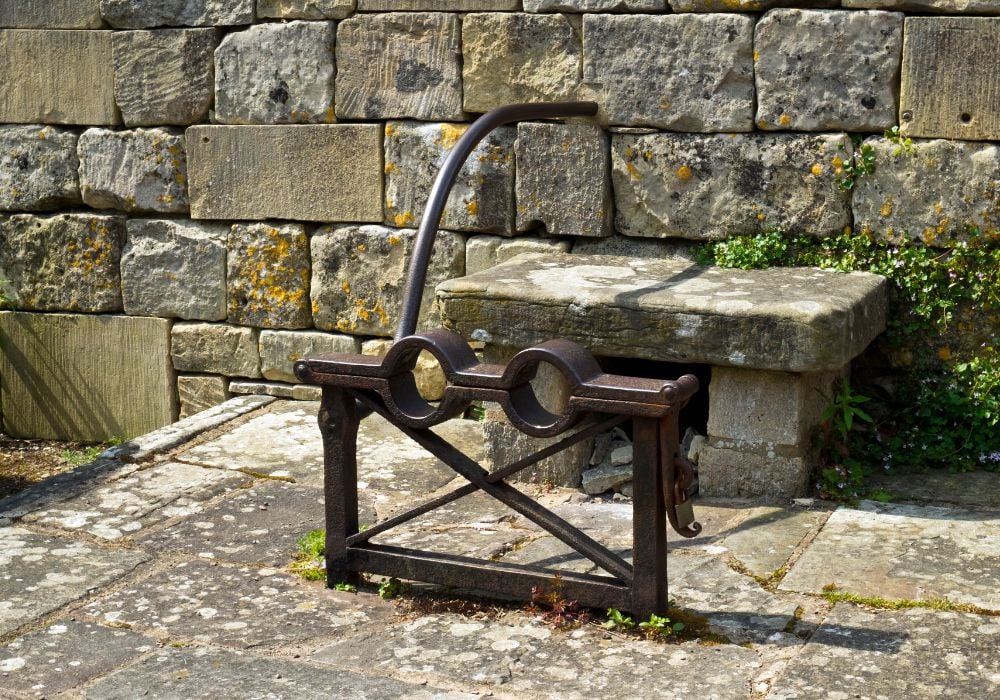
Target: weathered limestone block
[701,187]
[276,73]
[215,348]
[280,349]
[298,392]
[482,198]
[516,57]
[439,5]
[67,262]
[652,71]
[399,66]
[57,77]
[306,172]
[937,195]
[427,373]
[827,69]
[745,5]
[38,168]
[268,276]
[564,179]
[595,5]
[175,268]
[198,392]
[969,7]
[359,273]
[144,170]
[638,247]
[51,14]
[141,14]
[305,9]
[483,252]
[164,76]
[606,477]
[949,77]
[729,469]
[788,319]
[85,377]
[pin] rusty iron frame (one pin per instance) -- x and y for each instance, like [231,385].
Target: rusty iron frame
[356,385]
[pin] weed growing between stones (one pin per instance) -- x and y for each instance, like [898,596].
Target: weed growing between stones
[309,563]
[861,164]
[832,594]
[942,405]
[86,455]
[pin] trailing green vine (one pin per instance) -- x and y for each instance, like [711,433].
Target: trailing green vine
[944,410]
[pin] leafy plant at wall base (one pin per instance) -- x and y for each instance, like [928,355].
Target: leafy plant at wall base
[618,620]
[390,588]
[660,626]
[861,164]
[904,146]
[842,474]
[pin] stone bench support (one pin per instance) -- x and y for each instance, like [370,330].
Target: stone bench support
[776,341]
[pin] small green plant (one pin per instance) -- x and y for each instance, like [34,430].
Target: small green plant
[309,562]
[657,626]
[555,609]
[617,620]
[88,454]
[747,252]
[390,588]
[842,473]
[860,164]
[346,587]
[904,146]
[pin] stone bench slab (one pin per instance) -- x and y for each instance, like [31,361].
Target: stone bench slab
[789,319]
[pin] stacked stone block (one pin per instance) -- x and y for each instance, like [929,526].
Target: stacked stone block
[183,161]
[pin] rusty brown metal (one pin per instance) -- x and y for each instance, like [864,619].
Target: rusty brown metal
[386,386]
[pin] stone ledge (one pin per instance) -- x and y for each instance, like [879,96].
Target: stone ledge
[790,319]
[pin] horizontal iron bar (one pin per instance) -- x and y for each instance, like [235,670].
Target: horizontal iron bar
[411,514]
[514,580]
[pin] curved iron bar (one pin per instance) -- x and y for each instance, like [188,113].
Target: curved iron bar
[417,275]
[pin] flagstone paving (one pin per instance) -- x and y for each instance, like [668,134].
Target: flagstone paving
[161,571]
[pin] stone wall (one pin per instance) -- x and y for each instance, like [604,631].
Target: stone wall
[253,173]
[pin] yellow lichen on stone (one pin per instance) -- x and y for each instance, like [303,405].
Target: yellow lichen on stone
[684,172]
[944,353]
[784,120]
[450,134]
[389,167]
[756,56]
[329,116]
[389,130]
[886,210]
[401,220]
[394,240]
[816,169]
[346,286]
[636,175]
[472,207]
[838,165]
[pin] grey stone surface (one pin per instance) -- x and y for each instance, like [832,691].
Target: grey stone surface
[198,392]
[483,252]
[164,76]
[85,377]
[201,672]
[304,172]
[168,437]
[66,262]
[939,486]
[895,653]
[910,552]
[358,274]
[280,349]
[712,186]
[140,14]
[767,536]
[245,607]
[482,198]
[121,508]
[267,275]
[505,445]
[605,477]
[820,69]
[174,268]
[57,77]
[739,469]
[305,9]
[637,247]
[427,373]
[42,573]
[936,195]
[509,58]
[298,392]
[276,73]
[972,7]
[564,179]
[438,5]
[62,487]
[595,5]
[61,656]
[144,170]
[399,66]
[215,348]
[51,14]
[528,659]
[651,71]
[745,5]
[259,525]
[755,407]
[948,76]
[623,307]
[38,168]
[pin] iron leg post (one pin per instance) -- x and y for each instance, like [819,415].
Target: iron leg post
[338,424]
[649,527]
